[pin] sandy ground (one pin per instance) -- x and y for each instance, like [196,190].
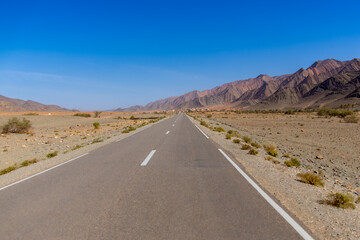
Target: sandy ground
[320,144]
[61,132]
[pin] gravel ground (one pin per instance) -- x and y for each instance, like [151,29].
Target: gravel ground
[326,222]
[70,136]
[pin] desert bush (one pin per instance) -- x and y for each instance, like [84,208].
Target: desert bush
[82,115]
[51,155]
[255,145]
[209,116]
[273,153]
[97,114]
[228,136]
[96,125]
[293,162]
[76,147]
[14,125]
[269,146]
[286,156]
[245,147]
[253,152]
[236,140]
[219,129]
[96,140]
[29,162]
[311,178]
[247,139]
[289,112]
[203,123]
[334,113]
[31,114]
[340,200]
[351,119]
[129,129]
[132,117]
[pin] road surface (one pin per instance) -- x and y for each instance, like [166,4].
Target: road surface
[168,181]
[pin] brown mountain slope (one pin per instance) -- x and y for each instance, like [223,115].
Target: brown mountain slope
[18,105]
[262,92]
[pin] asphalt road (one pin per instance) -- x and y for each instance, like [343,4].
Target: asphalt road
[166,182]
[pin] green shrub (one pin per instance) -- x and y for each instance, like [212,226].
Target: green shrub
[8,169]
[273,153]
[293,162]
[29,162]
[228,136]
[51,155]
[245,147]
[132,117]
[82,115]
[289,112]
[219,129]
[236,140]
[334,113]
[14,125]
[209,116]
[286,156]
[96,125]
[253,152]
[255,145]
[247,139]
[340,200]
[311,178]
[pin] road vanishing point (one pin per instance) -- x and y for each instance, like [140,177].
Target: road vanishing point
[168,181]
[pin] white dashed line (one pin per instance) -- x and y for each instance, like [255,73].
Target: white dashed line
[167,132]
[281,211]
[147,159]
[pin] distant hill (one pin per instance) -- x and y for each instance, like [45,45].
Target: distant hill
[18,105]
[301,89]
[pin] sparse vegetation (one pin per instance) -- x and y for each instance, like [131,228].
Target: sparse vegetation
[334,113]
[76,147]
[219,129]
[203,123]
[273,153]
[96,125]
[271,149]
[286,156]
[351,119]
[228,136]
[311,178]
[340,200]
[82,115]
[255,145]
[289,112]
[247,139]
[31,114]
[293,162]
[15,125]
[129,129]
[8,169]
[236,140]
[97,114]
[245,147]
[253,152]
[97,140]
[52,154]
[132,117]
[29,162]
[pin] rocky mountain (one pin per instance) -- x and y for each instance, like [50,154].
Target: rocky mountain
[301,89]
[18,105]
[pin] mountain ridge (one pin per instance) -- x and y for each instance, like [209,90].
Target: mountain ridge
[261,92]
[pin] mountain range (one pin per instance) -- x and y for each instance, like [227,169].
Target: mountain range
[327,83]
[18,105]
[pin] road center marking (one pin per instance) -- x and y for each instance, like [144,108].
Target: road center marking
[167,132]
[147,159]
[281,211]
[202,132]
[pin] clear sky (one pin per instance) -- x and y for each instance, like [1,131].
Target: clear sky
[98,55]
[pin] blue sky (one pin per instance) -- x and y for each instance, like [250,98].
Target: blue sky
[97,55]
